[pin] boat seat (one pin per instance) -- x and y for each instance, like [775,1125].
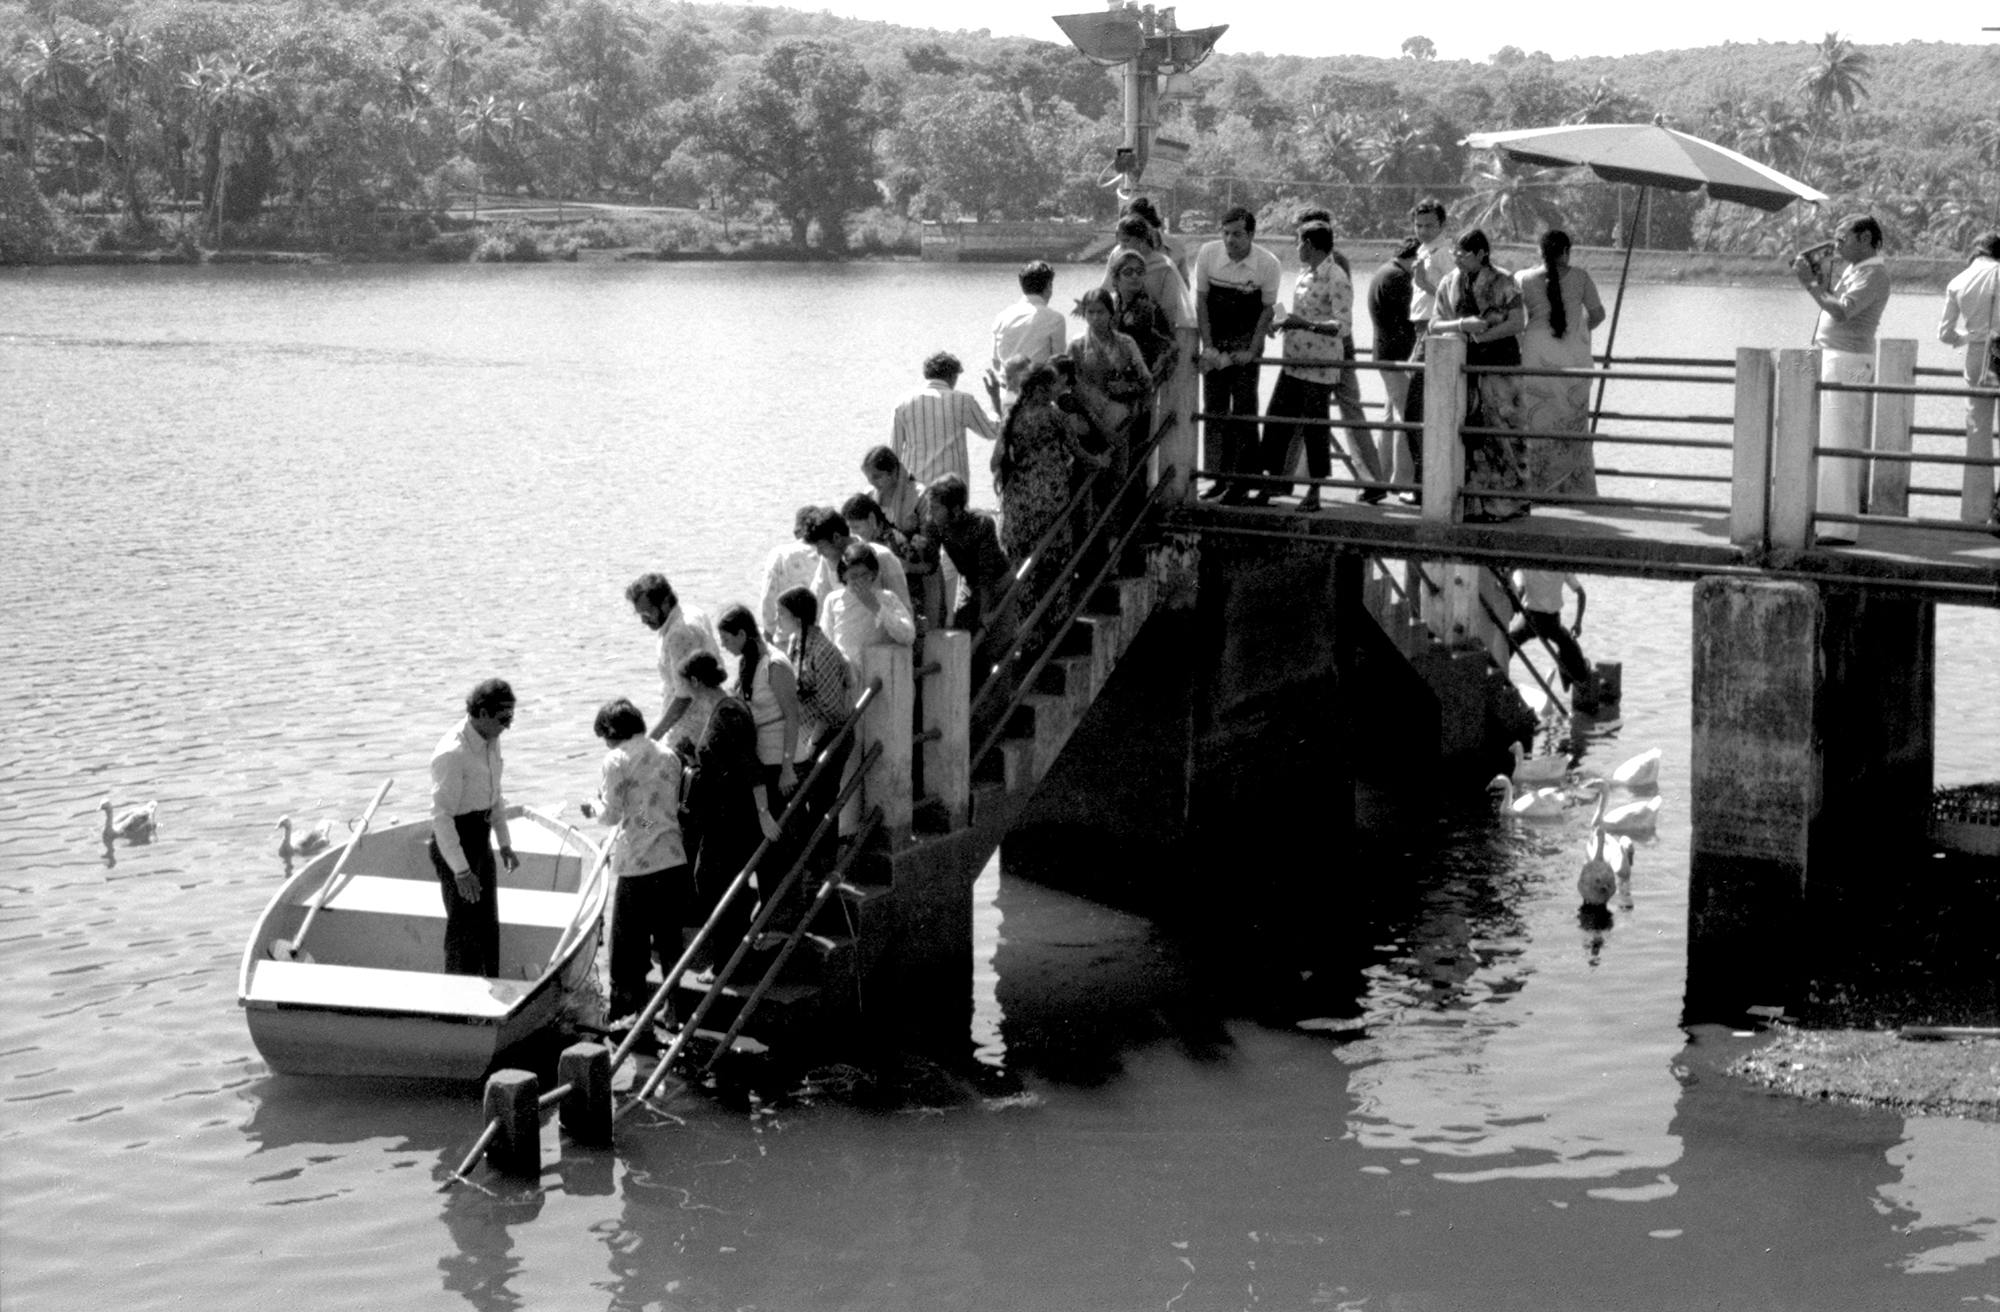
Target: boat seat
[423,898]
[409,992]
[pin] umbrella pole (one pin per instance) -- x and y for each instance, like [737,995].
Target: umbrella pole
[1618,304]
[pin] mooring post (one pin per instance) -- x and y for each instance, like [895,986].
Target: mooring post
[1794,463]
[1444,412]
[585,1111]
[1889,480]
[948,713]
[891,723]
[1180,449]
[1750,481]
[513,1099]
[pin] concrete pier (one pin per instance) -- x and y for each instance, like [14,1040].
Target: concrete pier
[1812,745]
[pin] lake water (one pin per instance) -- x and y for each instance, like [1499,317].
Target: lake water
[261,529]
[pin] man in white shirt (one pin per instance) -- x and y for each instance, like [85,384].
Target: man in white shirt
[790,564]
[1235,294]
[1435,259]
[468,812]
[1029,327]
[928,431]
[1971,306]
[683,631]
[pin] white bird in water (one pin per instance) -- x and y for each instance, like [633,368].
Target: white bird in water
[313,840]
[1550,769]
[1607,861]
[1630,817]
[134,826]
[1640,774]
[1533,804]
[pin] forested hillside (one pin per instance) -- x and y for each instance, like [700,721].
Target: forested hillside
[367,124]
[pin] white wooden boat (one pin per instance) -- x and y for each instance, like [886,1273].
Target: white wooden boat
[374,998]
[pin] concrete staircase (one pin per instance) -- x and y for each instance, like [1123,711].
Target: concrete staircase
[899,924]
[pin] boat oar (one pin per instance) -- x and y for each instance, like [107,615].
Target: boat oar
[283,949]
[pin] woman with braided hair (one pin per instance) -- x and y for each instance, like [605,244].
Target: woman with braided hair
[1563,307]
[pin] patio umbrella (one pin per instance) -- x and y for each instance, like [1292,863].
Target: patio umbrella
[1648,155]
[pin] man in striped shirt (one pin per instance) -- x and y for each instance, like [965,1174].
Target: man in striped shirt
[928,434]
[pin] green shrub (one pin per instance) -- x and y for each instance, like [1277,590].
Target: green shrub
[28,227]
[510,243]
[451,247]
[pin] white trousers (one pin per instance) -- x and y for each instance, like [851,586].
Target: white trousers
[1846,421]
[1976,502]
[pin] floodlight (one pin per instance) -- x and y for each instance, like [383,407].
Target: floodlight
[1180,51]
[1109,37]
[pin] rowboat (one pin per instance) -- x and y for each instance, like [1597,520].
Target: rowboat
[367,994]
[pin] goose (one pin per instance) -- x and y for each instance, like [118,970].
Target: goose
[313,840]
[1606,861]
[134,826]
[1534,804]
[1631,817]
[1550,769]
[1640,774]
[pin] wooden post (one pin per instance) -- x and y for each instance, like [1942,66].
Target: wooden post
[1889,480]
[1180,449]
[890,722]
[1975,502]
[948,709]
[1750,484]
[1444,413]
[1794,466]
[585,1111]
[513,1098]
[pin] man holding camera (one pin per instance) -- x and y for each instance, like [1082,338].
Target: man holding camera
[1850,309]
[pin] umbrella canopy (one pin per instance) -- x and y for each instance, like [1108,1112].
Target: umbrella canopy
[1651,155]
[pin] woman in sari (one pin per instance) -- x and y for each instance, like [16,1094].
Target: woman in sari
[1112,380]
[1563,307]
[1483,303]
[727,809]
[1039,443]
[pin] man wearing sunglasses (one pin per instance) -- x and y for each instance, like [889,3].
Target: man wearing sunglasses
[467,813]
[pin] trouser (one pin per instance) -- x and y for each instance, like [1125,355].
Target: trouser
[1396,446]
[1548,625]
[1413,412]
[1845,420]
[645,921]
[471,929]
[1297,398]
[1976,501]
[1232,443]
[1360,438]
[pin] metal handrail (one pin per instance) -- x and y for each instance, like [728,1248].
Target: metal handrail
[1168,422]
[1619,439]
[1615,375]
[1025,629]
[1905,521]
[1049,649]
[742,880]
[728,970]
[1912,389]
[1908,457]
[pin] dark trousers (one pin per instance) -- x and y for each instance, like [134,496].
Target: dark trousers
[1549,625]
[1296,398]
[1232,443]
[471,929]
[1413,412]
[645,920]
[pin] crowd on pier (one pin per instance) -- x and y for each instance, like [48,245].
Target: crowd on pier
[691,796]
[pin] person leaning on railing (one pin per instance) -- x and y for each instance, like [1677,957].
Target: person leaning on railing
[1971,316]
[1039,446]
[726,811]
[1482,303]
[971,541]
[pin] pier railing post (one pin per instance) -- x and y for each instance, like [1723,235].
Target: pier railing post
[889,722]
[1794,464]
[1444,413]
[948,712]
[1180,449]
[1889,480]
[1750,482]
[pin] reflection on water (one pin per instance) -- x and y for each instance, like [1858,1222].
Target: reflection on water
[265,526]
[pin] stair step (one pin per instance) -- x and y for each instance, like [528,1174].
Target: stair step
[1066,674]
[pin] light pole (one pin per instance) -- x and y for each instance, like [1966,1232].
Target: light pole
[1145,45]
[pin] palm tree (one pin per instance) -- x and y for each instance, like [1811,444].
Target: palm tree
[232,96]
[121,59]
[1400,152]
[1510,201]
[477,120]
[1838,75]
[1333,145]
[1605,103]
[54,78]
[1775,135]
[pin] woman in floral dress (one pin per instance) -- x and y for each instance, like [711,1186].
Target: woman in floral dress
[1483,303]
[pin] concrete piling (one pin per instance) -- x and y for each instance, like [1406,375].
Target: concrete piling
[585,1111]
[513,1098]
